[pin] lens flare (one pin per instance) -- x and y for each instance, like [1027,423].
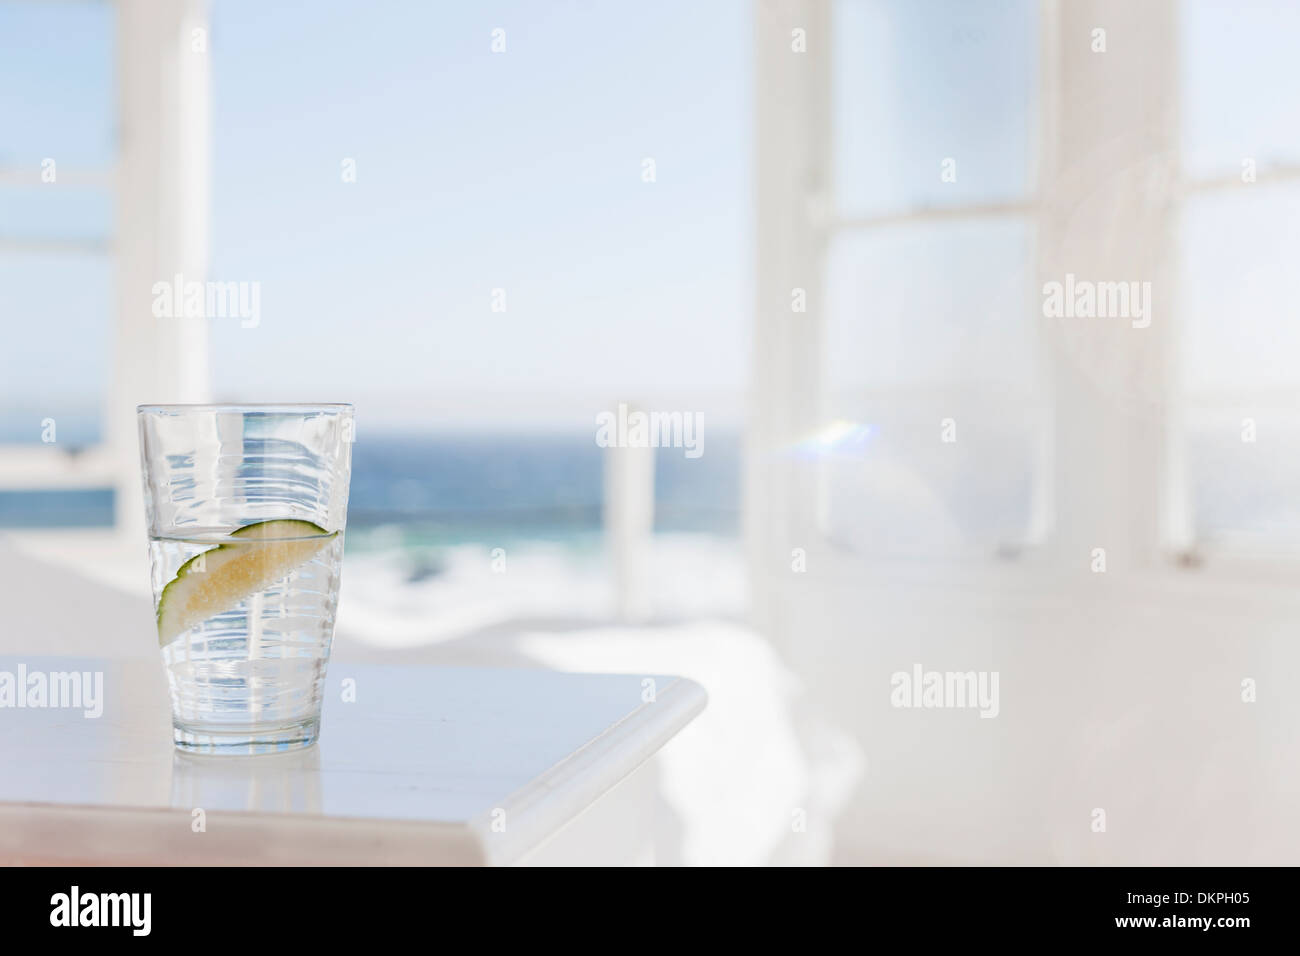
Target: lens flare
[839,439]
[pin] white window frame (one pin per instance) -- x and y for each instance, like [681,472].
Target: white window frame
[1142,516]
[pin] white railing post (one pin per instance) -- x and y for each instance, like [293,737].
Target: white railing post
[161,223]
[629,514]
[792,63]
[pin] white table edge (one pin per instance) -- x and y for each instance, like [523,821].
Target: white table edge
[557,796]
[135,836]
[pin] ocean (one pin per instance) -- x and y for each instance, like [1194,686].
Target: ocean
[420,491]
[429,489]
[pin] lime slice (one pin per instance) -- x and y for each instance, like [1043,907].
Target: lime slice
[219,579]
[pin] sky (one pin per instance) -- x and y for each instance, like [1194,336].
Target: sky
[523,171]
[475,171]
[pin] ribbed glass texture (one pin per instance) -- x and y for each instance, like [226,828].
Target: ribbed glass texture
[246,507]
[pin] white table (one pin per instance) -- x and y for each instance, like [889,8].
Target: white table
[431,765]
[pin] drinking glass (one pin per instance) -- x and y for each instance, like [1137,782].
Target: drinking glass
[246,507]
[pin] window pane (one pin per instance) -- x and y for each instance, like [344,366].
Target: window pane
[1244,491]
[1240,249]
[1240,84]
[933,422]
[1241,364]
[935,305]
[916,83]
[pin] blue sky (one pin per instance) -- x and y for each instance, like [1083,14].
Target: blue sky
[522,171]
[475,171]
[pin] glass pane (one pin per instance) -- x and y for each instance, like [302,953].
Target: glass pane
[933,422]
[1240,84]
[1240,251]
[1244,470]
[918,83]
[1241,366]
[900,490]
[932,305]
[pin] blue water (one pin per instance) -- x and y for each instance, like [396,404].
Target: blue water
[81,508]
[446,489]
[531,485]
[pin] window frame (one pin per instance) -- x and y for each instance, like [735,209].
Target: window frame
[794,190]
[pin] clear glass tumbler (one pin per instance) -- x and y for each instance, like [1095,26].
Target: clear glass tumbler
[246,507]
